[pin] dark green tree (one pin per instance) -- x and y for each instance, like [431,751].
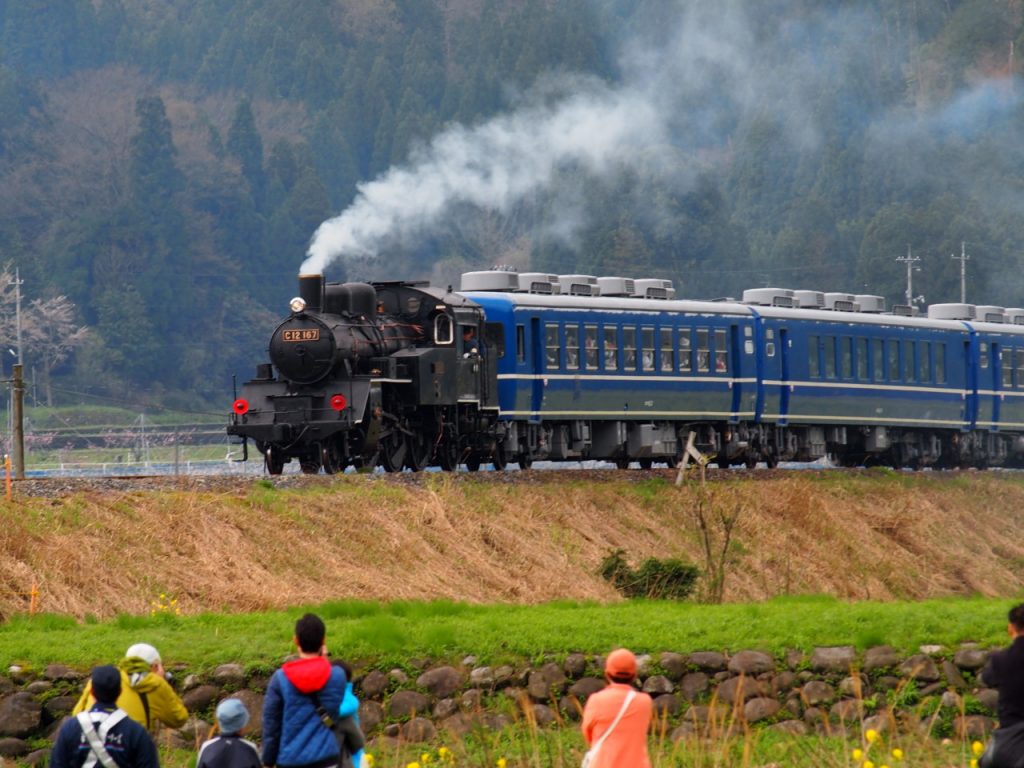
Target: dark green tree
[245,145]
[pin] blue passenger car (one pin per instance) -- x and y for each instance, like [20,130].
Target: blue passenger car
[629,376]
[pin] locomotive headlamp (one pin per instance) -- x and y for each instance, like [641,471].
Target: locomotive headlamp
[297,304]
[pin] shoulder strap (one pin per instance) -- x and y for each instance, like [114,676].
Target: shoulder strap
[145,706]
[325,716]
[99,752]
[625,705]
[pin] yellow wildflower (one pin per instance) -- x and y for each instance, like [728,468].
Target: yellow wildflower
[871,735]
[857,754]
[897,754]
[502,762]
[867,764]
[977,748]
[412,765]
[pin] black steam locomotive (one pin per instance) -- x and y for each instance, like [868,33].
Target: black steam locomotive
[387,374]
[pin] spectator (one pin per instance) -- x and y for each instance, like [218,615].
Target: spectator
[616,720]
[104,735]
[146,695]
[346,727]
[1005,672]
[302,694]
[229,749]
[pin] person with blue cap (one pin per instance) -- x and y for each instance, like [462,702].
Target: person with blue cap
[229,749]
[103,736]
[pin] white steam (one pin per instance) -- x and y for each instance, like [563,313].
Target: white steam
[493,165]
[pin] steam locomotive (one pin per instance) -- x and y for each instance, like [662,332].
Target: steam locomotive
[525,367]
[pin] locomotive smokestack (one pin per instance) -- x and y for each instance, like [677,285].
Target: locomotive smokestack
[311,289]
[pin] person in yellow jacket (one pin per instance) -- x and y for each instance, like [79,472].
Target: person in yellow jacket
[146,696]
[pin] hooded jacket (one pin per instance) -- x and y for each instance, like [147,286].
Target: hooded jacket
[293,733]
[145,697]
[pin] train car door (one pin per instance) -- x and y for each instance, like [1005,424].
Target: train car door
[537,359]
[993,383]
[736,369]
[775,373]
[970,364]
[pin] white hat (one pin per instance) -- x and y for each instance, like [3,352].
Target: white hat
[144,651]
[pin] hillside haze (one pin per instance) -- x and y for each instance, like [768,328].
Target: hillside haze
[169,166]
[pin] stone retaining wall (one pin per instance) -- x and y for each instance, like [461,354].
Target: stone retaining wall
[825,691]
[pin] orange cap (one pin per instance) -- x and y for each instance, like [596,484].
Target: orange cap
[620,664]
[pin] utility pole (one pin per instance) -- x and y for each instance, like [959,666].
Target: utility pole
[910,261]
[17,310]
[963,258]
[19,427]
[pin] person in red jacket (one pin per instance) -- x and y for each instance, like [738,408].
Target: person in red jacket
[616,720]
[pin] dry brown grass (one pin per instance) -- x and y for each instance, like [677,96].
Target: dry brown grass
[247,547]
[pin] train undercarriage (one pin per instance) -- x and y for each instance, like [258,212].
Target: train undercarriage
[398,437]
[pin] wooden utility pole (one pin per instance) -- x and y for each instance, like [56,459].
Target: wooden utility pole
[19,426]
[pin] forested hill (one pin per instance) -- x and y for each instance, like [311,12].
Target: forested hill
[164,163]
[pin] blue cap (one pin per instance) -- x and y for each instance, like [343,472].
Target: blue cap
[232,716]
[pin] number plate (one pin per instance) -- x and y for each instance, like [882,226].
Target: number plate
[301,334]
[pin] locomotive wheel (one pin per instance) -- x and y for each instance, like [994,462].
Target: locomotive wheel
[310,465]
[525,460]
[499,457]
[421,449]
[622,463]
[331,460]
[393,450]
[750,462]
[646,463]
[448,455]
[274,465]
[473,462]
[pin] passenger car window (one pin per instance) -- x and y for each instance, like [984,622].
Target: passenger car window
[845,357]
[703,350]
[552,346]
[572,347]
[590,347]
[721,351]
[862,359]
[829,344]
[685,363]
[647,342]
[667,357]
[878,359]
[908,360]
[924,363]
[940,363]
[813,360]
[629,348]
[611,349]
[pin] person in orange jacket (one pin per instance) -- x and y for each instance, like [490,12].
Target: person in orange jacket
[146,696]
[616,719]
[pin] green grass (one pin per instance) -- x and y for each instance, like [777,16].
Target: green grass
[391,633]
[720,745]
